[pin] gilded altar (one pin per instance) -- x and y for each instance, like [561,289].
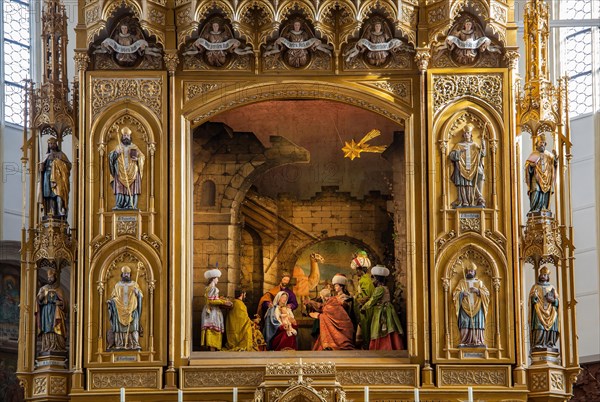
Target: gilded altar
[208,157]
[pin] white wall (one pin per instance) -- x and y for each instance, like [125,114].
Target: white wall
[586,217]
[11,140]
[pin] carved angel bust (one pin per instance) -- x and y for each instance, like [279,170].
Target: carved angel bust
[466,41]
[216,44]
[296,43]
[127,46]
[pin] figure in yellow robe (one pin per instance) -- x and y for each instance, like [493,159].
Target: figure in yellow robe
[241,332]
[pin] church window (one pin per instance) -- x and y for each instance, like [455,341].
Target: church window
[15,64]
[579,38]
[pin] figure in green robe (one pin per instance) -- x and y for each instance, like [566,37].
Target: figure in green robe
[361,264]
[385,329]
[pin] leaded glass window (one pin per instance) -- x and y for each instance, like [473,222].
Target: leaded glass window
[15,66]
[578,35]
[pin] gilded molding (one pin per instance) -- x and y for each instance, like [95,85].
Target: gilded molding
[385,377]
[402,89]
[539,381]
[119,379]
[480,375]
[58,385]
[302,94]
[198,378]
[291,369]
[195,89]
[107,91]
[470,224]
[448,88]
[82,60]
[40,385]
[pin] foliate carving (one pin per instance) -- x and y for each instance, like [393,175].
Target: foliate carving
[171,61]
[496,238]
[129,121]
[106,91]
[193,90]
[471,255]
[157,16]
[441,242]
[58,385]
[499,13]
[102,241]
[539,381]
[40,386]
[512,59]
[123,379]
[422,59]
[437,14]
[401,89]
[82,61]
[222,378]
[292,369]
[52,242]
[488,87]
[541,238]
[387,377]
[480,376]
[146,237]
[92,15]
[469,223]
[126,227]
[557,380]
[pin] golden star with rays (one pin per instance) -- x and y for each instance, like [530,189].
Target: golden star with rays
[353,149]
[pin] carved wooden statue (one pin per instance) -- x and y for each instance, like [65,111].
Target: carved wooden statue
[51,307]
[540,173]
[543,315]
[125,313]
[471,300]
[468,175]
[54,186]
[126,163]
[376,44]
[296,42]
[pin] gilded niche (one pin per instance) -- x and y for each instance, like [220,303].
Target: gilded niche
[377,47]
[297,47]
[126,47]
[215,47]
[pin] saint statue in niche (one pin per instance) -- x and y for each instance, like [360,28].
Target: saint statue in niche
[296,42]
[540,175]
[468,175]
[128,44]
[216,43]
[467,41]
[54,187]
[543,316]
[126,165]
[377,44]
[124,313]
[471,300]
[51,316]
